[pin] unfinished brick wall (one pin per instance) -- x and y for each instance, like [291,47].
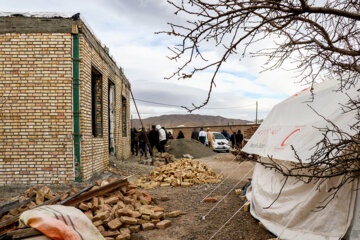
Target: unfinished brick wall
[35,108]
[95,150]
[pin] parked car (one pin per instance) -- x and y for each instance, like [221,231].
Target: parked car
[221,143]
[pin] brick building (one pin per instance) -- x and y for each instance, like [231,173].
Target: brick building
[64,103]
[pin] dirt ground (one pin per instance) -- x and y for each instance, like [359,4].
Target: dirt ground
[188,226]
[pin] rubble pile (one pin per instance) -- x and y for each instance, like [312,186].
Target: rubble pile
[33,197]
[119,213]
[183,172]
[163,158]
[243,156]
[115,207]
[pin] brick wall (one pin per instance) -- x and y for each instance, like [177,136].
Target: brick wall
[247,130]
[35,108]
[36,122]
[95,150]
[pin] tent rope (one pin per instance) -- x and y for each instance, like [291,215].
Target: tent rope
[223,179]
[226,222]
[203,217]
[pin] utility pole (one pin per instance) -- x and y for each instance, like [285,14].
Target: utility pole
[256,120]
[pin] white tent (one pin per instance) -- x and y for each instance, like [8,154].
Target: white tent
[294,215]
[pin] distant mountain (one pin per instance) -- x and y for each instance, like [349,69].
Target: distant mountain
[187,120]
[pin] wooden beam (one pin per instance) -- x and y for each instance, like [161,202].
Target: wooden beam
[97,192]
[16,218]
[22,233]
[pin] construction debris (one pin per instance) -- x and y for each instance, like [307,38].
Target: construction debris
[115,207]
[174,213]
[210,199]
[243,156]
[162,158]
[183,172]
[247,206]
[238,191]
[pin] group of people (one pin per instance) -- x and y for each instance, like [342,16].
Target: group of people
[145,141]
[236,138]
[157,137]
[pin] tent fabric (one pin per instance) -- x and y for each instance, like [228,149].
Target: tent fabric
[294,215]
[354,230]
[293,122]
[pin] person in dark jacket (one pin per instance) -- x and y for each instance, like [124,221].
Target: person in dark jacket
[143,142]
[153,136]
[134,141]
[225,134]
[239,138]
[233,139]
[180,135]
[195,135]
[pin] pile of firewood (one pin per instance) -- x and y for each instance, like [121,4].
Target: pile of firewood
[183,172]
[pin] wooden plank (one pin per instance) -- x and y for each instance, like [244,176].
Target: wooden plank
[97,192]
[77,194]
[21,233]
[15,204]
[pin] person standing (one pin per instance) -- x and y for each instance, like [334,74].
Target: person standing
[143,142]
[225,134]
[134,141]
[153,139]
[180,135]
[202,136]
[210,138]
[195,135]
[162,138]
[233,139]
[239,138]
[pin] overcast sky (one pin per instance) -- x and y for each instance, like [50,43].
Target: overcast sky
[127,27]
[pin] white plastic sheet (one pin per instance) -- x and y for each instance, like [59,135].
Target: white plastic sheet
[293,216]
[293,122]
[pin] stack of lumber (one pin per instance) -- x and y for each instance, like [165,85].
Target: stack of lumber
[183,172]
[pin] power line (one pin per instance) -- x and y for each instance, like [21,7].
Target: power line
[178,106]
[157,103]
